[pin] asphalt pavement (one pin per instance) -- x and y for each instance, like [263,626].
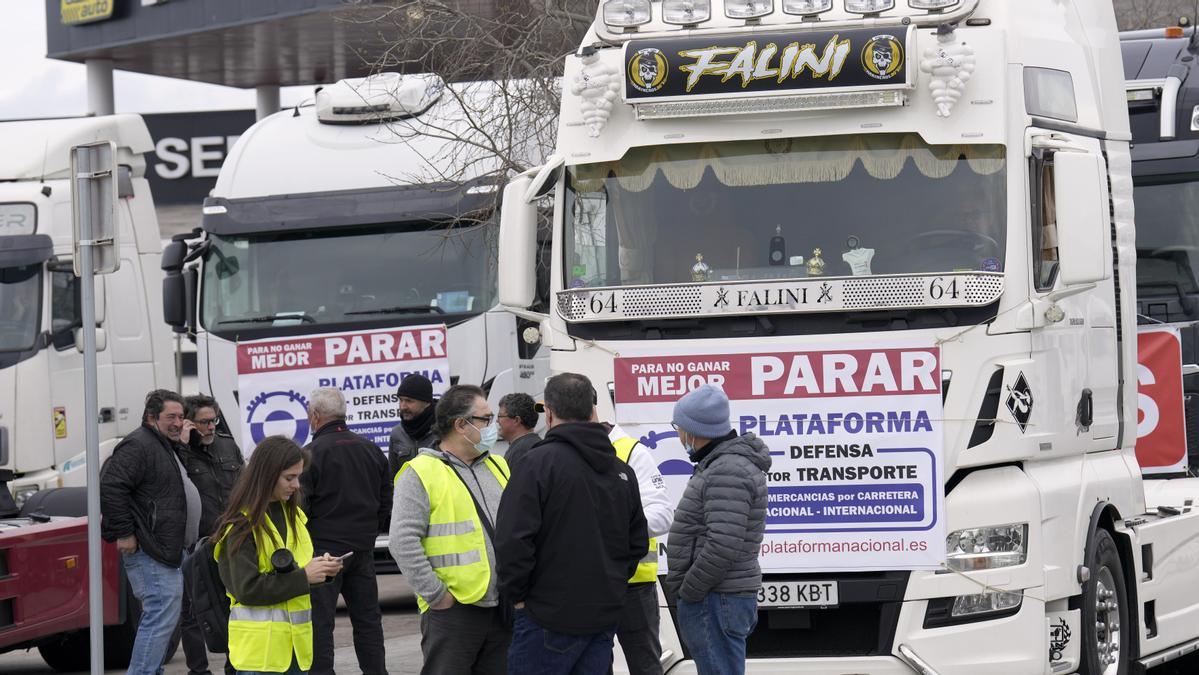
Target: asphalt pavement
[401,627]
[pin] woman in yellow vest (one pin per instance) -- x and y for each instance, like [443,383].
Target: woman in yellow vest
[265,560]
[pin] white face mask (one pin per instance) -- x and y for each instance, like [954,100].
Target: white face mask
[487,436]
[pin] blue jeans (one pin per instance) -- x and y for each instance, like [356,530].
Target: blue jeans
[541,651]
[715,630]
[160,590]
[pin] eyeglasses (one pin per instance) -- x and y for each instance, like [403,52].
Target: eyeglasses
[486,419]
[207,423]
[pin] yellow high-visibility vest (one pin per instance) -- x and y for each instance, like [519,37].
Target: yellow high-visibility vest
[454,542]
[647,569]
[262,638]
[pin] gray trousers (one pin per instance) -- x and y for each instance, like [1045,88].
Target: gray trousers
[638,630]
[464,640]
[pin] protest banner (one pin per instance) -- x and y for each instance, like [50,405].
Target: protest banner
[855,436]
[275,377]
[1161,424]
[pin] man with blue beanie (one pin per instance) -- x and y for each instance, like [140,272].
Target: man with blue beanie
[713,547]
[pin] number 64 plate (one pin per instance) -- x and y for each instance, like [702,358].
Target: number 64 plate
[798,594]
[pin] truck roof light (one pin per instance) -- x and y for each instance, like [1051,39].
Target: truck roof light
[931,5]
[770,104]
[214,210]
[747,9]
[806,7]
[626,13]
[686,12]
[868,6]
[1175,32]
[377,98]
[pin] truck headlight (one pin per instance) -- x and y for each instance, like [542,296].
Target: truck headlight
[747,9]
[986,548]
[963,609]
[686,12]
[806,7]
[626,13]
[868,6]
[932,4]
[23,493]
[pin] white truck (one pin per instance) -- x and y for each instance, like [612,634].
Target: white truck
[41,360]
[899,234]
[357,214]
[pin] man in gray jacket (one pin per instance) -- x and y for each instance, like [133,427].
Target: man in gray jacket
[712,552]
[442,526]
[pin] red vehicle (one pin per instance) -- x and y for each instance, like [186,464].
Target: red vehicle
[43,583]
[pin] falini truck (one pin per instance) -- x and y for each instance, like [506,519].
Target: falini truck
[899,234]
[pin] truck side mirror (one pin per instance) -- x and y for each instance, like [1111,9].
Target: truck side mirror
[174,301]
[1083,226]
[518,245]
[173,255]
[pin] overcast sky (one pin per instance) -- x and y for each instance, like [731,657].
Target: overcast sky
[34,86]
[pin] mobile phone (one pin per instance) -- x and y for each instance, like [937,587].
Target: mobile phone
[344,556]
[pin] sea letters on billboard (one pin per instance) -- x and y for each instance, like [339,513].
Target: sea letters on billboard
[856,480]
[276,376]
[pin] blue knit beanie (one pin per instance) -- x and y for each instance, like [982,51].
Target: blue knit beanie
[704,413]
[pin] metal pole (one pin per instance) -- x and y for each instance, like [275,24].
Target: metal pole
[91,428]
[100,98]
[178,362]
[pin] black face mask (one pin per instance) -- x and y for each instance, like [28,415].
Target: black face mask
[418,426]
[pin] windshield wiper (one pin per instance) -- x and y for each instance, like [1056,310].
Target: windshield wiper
[400,309]
[271,318]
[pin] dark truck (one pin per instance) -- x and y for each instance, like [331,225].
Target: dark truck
[1162,82]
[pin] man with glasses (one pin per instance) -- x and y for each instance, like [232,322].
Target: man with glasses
[151,509]
[517,418]
[213,462]
[442,531]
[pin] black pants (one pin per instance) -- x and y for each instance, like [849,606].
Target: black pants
[357,585]
[638,630]
[195,652]
[464,640]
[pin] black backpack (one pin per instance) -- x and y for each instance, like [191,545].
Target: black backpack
[209,602]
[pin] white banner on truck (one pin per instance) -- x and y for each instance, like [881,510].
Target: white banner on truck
[276,376]
[855,434]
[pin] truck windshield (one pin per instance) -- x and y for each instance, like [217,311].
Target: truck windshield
[429,272]
[883,204]
[20,304]
[1168,235]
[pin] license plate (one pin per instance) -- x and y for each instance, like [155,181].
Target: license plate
[797,594]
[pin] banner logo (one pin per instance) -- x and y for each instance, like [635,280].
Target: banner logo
[648,70]
[882,57]
[278,413]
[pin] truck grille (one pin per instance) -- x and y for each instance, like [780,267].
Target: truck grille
[862,625]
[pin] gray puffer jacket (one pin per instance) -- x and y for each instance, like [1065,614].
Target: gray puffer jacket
[718,525]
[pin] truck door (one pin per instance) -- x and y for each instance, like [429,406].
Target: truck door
[1076,337]
[66,365]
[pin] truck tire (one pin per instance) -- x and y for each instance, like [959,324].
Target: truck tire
[1106,630]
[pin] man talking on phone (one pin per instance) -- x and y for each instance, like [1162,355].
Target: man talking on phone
[348,491]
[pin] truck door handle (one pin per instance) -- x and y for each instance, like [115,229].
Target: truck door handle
[107,415]
[1086,411]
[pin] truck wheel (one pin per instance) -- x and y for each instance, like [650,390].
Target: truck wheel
[67,653]
[1106,631]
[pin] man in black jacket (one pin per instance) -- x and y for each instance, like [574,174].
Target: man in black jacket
[570,533]
[348,491]
[517,418]
[416,429]
[213,462]
[152,511]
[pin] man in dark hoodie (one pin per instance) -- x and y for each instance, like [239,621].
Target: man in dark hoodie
[348,492]
[416,429]
[570,533]
[718,525]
